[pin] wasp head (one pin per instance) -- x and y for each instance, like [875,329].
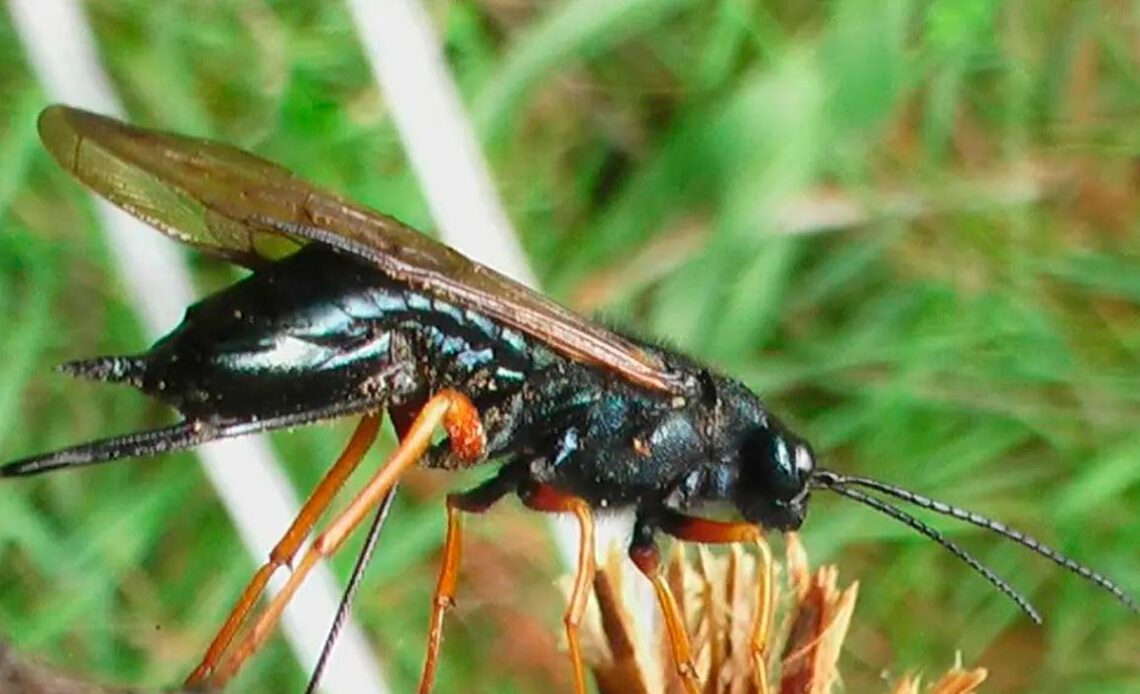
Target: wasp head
[775,468]
[767,469]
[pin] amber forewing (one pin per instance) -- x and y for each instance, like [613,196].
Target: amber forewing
[233,204]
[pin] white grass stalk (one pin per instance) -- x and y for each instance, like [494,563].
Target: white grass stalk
[62,52]
[408,64]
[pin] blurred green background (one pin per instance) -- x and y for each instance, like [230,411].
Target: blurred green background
[912,226]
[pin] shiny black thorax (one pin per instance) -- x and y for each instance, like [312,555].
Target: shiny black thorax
[321,333]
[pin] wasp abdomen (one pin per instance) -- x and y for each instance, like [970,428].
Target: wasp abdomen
[314,331]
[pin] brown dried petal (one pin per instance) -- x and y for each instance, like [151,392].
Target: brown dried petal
[955,681]
[723,597]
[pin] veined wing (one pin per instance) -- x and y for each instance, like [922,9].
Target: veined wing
[236,205]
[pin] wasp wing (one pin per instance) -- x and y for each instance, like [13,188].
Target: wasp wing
[192,190]
[238,206]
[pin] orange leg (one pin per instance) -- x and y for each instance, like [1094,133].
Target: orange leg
[645,555]
[475,501]
[706,531]
[548,499]
[443,598]
[448,408]
[709,532]
[647,558]
[283,553]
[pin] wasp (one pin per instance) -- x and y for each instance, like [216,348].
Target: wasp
[347,312]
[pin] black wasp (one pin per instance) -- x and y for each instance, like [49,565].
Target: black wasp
[348,312]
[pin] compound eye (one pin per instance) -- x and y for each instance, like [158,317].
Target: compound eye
[793,458]
[773,479]
[771,464]
[805,461]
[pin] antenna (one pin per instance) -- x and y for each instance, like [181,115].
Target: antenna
[354,580]
[1036,546]
[832,483]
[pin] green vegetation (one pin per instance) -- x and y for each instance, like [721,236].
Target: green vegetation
[973,332]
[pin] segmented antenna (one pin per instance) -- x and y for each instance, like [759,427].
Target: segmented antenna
[354,580]
[915,524]
[993,526]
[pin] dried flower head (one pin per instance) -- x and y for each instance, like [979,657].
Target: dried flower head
[750,634]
